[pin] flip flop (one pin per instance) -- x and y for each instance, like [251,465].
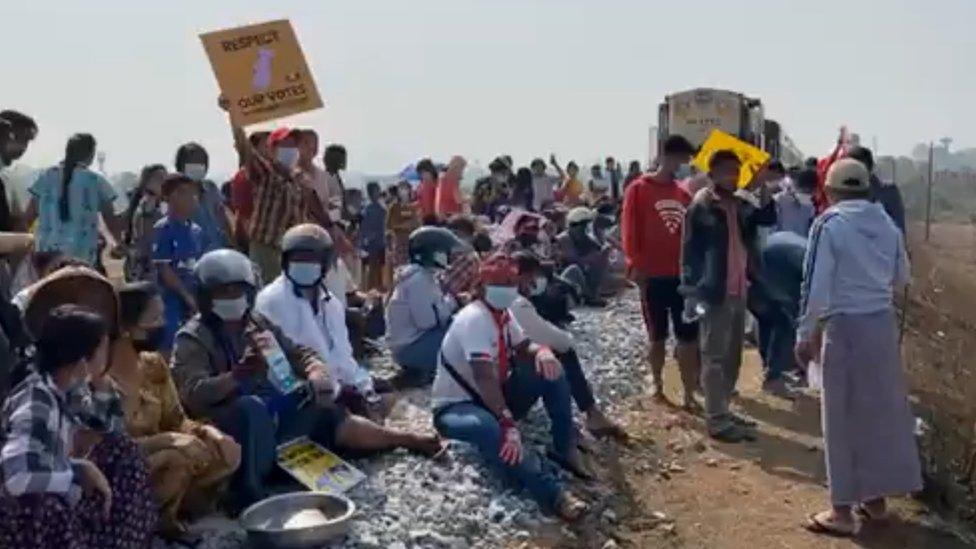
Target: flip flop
[865,515]
[815,526]
[569,467]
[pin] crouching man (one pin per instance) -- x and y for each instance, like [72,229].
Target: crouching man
[489,375]
[235,368]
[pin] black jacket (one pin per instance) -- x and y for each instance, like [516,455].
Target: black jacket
[705,244]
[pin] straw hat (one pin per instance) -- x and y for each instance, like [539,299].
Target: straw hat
[77,285]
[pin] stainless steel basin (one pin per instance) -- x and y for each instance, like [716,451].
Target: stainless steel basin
[265,520]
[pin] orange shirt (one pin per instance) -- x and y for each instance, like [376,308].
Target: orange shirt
[448,196]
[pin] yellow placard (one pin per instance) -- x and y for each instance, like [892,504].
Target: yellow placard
[316,467]
[261,72]
[753,158]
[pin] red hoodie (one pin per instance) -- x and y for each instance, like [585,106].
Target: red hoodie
[653,218]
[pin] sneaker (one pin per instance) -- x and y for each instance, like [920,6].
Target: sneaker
[732,433]
[779,388]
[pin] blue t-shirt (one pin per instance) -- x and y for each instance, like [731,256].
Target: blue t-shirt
[208,215]
[178,244]
[76,236]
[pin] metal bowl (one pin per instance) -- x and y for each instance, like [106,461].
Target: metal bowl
[264,521]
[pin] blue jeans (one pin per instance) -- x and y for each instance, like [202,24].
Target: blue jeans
[175,313]
[419,359]
[475,425]
[777,337]
[248,422]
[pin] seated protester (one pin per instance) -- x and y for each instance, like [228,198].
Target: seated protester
[575,247]
[189,462]
[774,299]
[419,311]
[533,281]
[308,313]
[176,248]
[220,363]
[51,496]
[489,375]
[461,275]
[606,232]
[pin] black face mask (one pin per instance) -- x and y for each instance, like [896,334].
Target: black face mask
[153,340]
[528,239]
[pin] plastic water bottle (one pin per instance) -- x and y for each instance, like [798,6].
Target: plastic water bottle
[280,373]
[364,384]
[694,310]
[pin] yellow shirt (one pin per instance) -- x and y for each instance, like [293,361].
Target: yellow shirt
[572,191]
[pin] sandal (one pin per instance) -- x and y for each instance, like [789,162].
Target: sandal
[570,508]
[569,466]
[817,525]
[864,513]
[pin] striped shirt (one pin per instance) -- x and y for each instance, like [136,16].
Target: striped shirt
[278,202]
[37,431]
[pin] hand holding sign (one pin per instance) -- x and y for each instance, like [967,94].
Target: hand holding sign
[261,71]
[753,158]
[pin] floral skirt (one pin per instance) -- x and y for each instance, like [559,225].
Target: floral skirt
[48,521]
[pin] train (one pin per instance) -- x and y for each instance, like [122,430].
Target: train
[694,113]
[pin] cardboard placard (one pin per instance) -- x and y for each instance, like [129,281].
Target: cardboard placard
[753,158]
[316,467]
[261,71]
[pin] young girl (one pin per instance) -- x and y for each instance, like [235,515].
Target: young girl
[146,207]
[50,496]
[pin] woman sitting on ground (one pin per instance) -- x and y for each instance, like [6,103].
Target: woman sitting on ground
[189,462]
[50,497]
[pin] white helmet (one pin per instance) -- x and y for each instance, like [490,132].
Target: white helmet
[580,214]
[224,266]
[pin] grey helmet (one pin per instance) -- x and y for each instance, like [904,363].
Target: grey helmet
[224,266]
[430,246]
[307,237]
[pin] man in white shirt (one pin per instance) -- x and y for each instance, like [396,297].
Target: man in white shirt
[489,374]
[309,314]
[532,282]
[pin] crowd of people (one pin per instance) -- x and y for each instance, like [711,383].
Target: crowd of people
[248,314]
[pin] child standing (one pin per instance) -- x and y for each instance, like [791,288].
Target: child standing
[372,238]
[176,247]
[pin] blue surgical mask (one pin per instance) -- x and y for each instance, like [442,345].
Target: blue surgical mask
[230,309]
[683,171]
[539,288]
[195,172]
[500,297]
[287,157]
[305,274]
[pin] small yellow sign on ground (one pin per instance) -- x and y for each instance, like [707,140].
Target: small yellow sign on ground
[261,71]
[753,158]
[316,467]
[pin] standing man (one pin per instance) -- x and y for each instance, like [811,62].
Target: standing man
[615,178]
[720,237]
[427,190]
[886,194]
[447,201]
[543,185]
[855,263]
[22,130]
[652,222]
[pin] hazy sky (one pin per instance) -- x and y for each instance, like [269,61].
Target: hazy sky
[581,78]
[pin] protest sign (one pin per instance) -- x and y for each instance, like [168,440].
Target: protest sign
[261,72]
[317,468]
[753,158]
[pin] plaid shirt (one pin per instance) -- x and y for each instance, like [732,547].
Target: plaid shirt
[278,202]
[462,274]
[37,431]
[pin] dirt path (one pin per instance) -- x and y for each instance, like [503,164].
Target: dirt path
[682,490]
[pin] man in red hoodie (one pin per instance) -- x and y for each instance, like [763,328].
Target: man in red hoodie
[653,219]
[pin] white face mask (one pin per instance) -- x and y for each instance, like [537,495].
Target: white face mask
[305,274]
[335,215]
[501,297]
[441,259]
[287,157]
[195,172]
[230,309]
[804,198]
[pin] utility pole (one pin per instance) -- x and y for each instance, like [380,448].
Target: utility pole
[928,199]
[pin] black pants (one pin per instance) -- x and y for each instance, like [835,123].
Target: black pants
[578,386]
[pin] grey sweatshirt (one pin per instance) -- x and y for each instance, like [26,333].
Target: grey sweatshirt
[855,260]
[416,305]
